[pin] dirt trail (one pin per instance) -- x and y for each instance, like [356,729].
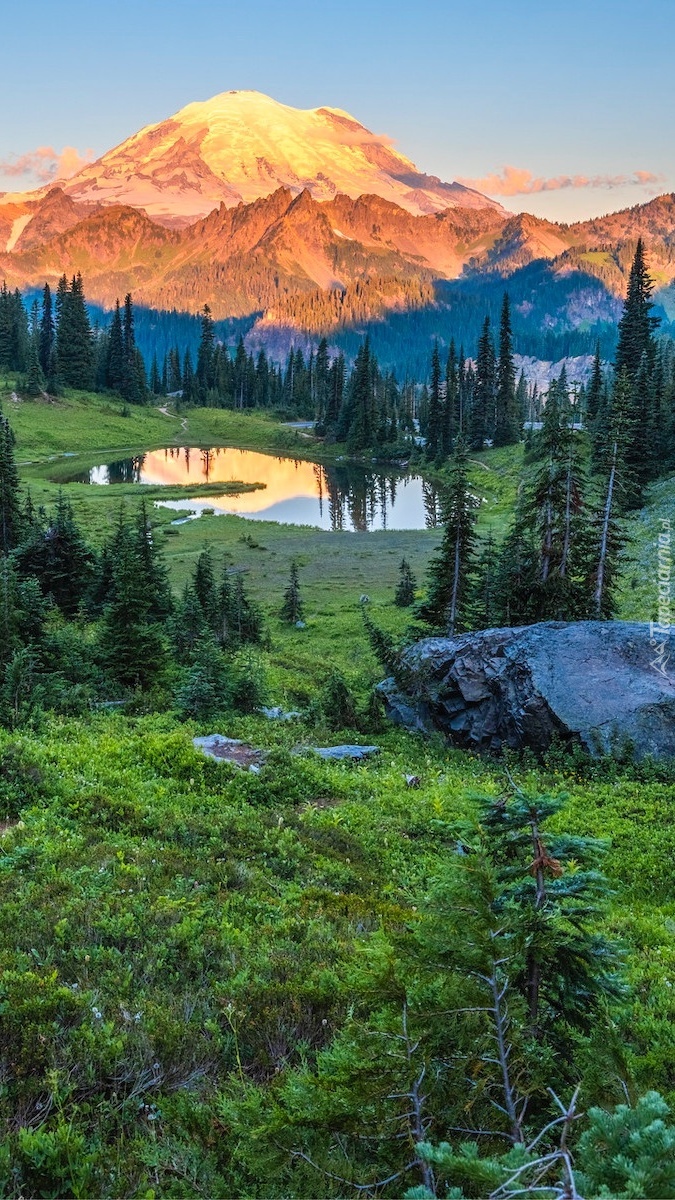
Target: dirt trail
[165,412]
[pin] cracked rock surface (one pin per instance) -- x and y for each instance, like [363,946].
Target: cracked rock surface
[602,684]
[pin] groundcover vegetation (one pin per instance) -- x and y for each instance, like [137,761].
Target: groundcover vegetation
[422,975]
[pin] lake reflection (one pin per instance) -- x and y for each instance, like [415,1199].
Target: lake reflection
[295,492]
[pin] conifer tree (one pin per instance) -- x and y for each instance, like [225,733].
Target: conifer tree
[47,335]
[621,429]
[594,391]
[74,340]
[133,387]
[404,595]
[516,920]
[516,574]
[555,509]
[246,620]
[34,377]
[485,609]
[11,523]
[386,652]
[58,556]
[115,364]
[448,587]
[482,411]
[204,586]
[13,330]
[292,607]
[357,419]
[205,372]
[521,400]
[174,372]
[434,444]
[153,568]
[450,419]
[132,645]
[637,325]
[155,378]
[507,419]
[187,379]
[205,690]
[262,380]
[187,626]
[620,491]
[322,381]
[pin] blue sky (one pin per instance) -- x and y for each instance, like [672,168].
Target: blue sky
[554,91]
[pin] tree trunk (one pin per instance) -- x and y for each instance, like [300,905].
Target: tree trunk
[452,616]
[604,540]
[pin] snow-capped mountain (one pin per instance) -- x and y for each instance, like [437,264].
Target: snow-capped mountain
[306,220]
[241,146]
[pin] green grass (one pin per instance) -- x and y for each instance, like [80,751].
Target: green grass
[336,568]
[140,878]
[79,422]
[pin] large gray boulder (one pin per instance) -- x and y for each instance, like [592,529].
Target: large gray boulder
[603,684]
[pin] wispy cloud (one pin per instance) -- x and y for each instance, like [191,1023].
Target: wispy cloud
[518,181]
[45,163]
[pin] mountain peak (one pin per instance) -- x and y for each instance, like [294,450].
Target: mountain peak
[239,146]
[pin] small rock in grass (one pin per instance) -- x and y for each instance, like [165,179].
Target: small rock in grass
[340,753]
[232,750]
[276,713]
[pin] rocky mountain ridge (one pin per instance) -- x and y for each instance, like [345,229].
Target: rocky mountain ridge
[353,233]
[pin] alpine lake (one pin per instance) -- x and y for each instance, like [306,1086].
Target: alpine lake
[344,496]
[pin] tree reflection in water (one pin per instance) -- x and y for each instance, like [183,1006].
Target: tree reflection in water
[126,470]
[341,496]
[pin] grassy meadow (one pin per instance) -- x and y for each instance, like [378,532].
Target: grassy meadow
[181,943]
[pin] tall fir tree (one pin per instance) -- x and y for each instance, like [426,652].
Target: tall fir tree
[132,645]
[507,418]
[204,587]
[74,339]
[404,596]
[115,364]
[434,446]
[205,372]
[152,567]
[322,381]
[47,336]
[292,607]
[485,607]
[482,410]
[638,324]
[11,518]
[448,601]
[450,419]
[34,376]
[57,555]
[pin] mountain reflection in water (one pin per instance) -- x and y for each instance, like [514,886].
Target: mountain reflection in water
[295,492]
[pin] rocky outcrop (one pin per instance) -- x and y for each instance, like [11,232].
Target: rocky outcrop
[601,684]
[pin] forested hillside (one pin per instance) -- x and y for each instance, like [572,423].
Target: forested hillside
[291,269]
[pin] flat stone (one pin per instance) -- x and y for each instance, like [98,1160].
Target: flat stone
[345,752]
[232,750]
